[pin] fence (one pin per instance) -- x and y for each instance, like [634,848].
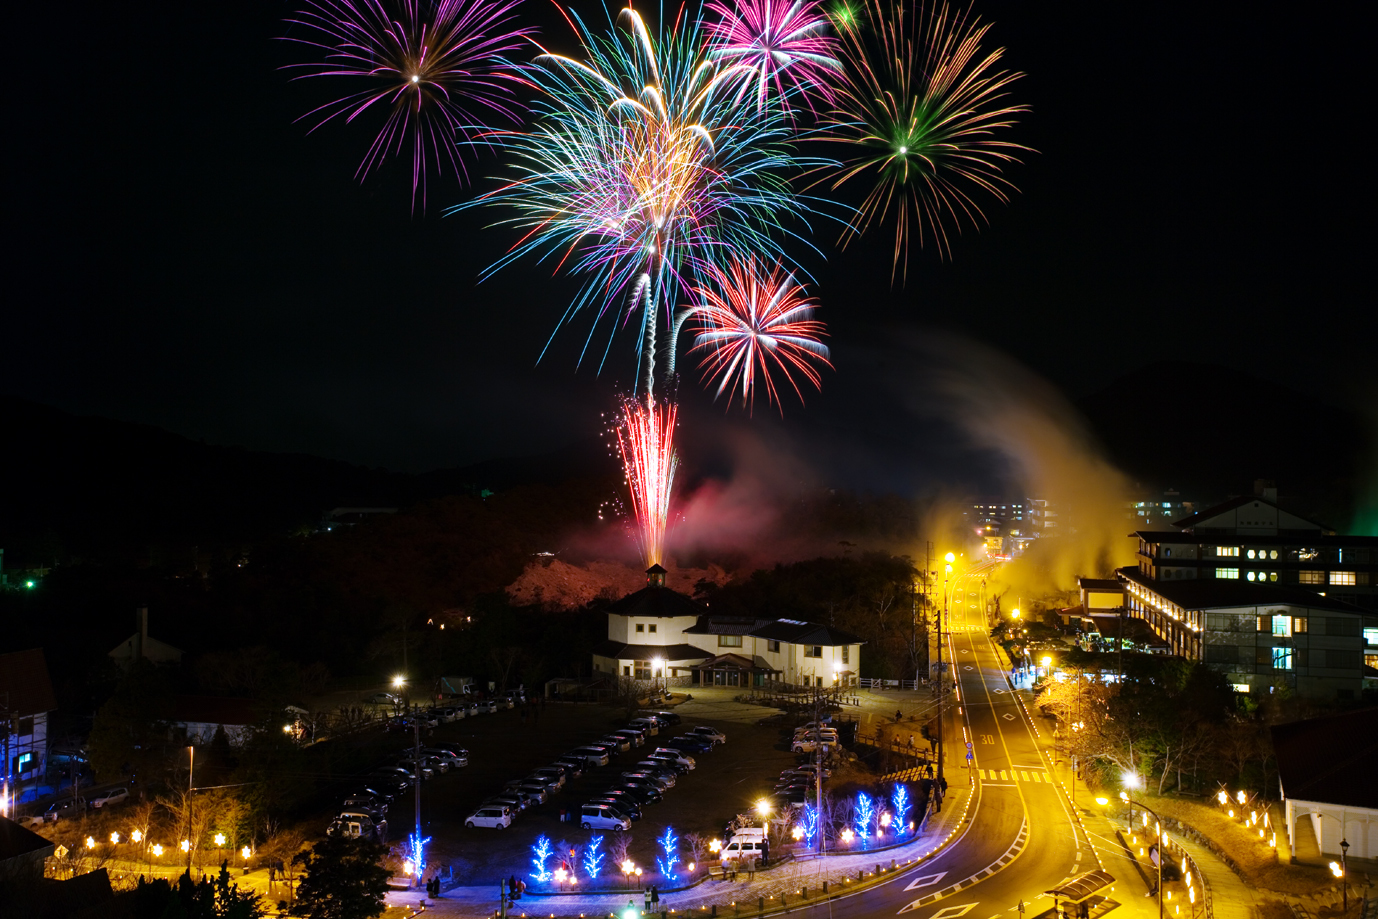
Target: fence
[868,683]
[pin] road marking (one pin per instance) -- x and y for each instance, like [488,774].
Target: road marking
[1007,716]
[952,912]
[926,880]
[967,667]
[1024,776]
[1004,776]
[965,651]
[1036,777]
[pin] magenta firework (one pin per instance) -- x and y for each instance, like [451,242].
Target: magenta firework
[784,41]
[431,76]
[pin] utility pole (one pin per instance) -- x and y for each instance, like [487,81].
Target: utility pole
[191,772]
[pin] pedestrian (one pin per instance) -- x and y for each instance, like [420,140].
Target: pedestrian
[655,899]
[899,715]
[512,892]
[646,898]
[911,741]
[272,873]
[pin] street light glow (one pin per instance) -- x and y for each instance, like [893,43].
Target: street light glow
[399,681]
[219,840]
[949,558]
[1130,779]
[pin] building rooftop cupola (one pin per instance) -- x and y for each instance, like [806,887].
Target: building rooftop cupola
[655,576]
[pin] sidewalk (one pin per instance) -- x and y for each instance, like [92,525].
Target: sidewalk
[781,885]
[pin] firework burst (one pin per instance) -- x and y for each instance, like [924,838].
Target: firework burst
[784,42]
[754,325]
[922,104]
[434,72]
[635,190]
[645,437]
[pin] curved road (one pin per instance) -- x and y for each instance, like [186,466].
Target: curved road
[1021,840]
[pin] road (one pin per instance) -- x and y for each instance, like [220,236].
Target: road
[1022,839]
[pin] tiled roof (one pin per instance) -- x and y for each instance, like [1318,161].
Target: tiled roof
[618,650]
[16,840]
[805,633]
[656,602]
[1331,760]
[25,684]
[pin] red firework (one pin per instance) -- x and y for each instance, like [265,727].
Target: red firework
[754,325]
[646,437]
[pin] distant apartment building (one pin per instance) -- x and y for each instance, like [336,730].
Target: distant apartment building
[658,632]
[1159,510]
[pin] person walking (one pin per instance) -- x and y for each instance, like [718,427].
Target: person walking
[655,899]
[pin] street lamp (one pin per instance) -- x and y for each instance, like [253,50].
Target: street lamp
[657,670]
[763,809]
[1132,780]
[1344,871]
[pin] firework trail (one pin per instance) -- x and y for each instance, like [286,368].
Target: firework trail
[922,103]
[782,41]
[433,71]
[752,325]
[645,437]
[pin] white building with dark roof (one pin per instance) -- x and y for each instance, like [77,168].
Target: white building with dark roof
[658,632]
[1328,775]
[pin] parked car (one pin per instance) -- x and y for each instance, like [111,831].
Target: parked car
[381,698]
[677,756]
[661,779]
[810,744]
[809,769]
[646,794]
[648,781]
[358,825]
[365,802]
[450,713]
[446,755]
[622,804]
[110,798]
[575,764]
[603,817]
[740,849]
[550,775]
[378,791]
[630,802]
[531,793]
[662,767]
[712,734]
[514,802]
[667,718]
[490,815]
[488,705]
[650,725]
[66,807]
[620,744]
[689,744]
[594,756]
[454,748]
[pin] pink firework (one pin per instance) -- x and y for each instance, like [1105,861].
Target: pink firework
[430,72]
[755,325]
[646,438]
[784,41]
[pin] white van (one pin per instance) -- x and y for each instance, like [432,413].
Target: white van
[746,844]
[603,817]
[499,818]
[650,725]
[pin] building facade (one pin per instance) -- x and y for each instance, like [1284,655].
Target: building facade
[659,633]
[1261,636]
[26,703]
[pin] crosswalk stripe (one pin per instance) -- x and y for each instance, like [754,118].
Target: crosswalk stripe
[1024,776]
[1037,778]
[1003,776]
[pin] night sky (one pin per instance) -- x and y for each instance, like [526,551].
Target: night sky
[183,254]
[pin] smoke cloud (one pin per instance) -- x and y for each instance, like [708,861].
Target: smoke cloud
[1041,449]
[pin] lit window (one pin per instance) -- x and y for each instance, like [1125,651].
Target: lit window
[1371,636]
[1241,687]
[1230,573]
[1272,575]
[729,641]
[1298,623]
[1342,578]
[1311,577]
[1282,658]
[1273,554]
[1251,574]
[1227,551]
[1282,625]
[1251,555]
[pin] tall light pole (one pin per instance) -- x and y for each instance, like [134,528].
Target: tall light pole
[1132,780]
[942,688]
[1344,871]
[399,683]
[657,670]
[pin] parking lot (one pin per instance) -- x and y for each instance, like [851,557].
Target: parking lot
[728,781]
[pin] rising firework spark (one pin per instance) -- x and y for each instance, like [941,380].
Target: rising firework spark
[434,72]
[645,436]
[754,325]
[785,42]
[637,189]
[922,103]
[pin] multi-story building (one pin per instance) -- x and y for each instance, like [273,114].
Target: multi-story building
[1148,512]
[658,632]
[1251,539]
[1259,635]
